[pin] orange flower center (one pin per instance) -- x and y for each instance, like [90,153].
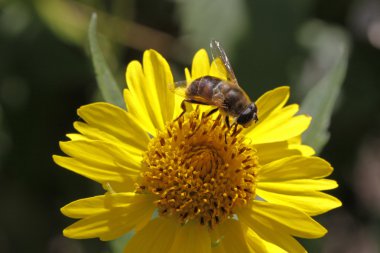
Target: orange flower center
[200,169]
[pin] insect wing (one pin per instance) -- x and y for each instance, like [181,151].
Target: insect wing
[221,59]
[179,88]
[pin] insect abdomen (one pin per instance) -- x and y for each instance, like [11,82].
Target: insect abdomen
[203,87]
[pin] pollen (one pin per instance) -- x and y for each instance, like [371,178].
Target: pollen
[199,169]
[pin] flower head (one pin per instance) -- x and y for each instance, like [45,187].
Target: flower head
[215,190]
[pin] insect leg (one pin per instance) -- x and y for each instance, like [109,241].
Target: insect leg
[227,120]
[183,105]
[235,128]
[212,111]
[208,114]
[193,101]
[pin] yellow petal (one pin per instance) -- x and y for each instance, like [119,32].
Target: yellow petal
[157,236]
[188,75]
[86,207]
[296,143]
[200,65]
[91,133]
[279,126]
[295,167]
[75,137]
[275,122]
[273,248]
[311,202]
[135,107]
[127,185]
[274,242]
[192,237]
[157,76]
[103,155]
[218,249]
[101,175]
[218,70]
[177,106]
[295,140]
[232,238]
[281,218]
[272,101]
[298,185]
[136,83]
[268,152]
[304,149]
[149,93]
[115,122]
[117,219]
[144,97]
[258,244]
[101,162]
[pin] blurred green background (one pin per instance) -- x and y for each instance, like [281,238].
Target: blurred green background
[46,74]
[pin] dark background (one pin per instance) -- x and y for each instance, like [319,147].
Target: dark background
[46,74]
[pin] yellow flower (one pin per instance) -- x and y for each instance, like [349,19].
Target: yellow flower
[214,190]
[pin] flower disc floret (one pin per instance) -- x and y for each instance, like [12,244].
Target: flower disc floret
[199,169]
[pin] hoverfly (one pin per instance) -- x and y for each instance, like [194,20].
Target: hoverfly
[226,95]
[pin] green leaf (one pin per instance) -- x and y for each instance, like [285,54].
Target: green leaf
[106,82]
[331,46]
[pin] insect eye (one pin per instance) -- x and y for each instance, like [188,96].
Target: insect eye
[245,116]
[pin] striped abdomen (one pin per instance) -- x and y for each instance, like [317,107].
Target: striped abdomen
[214,91]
